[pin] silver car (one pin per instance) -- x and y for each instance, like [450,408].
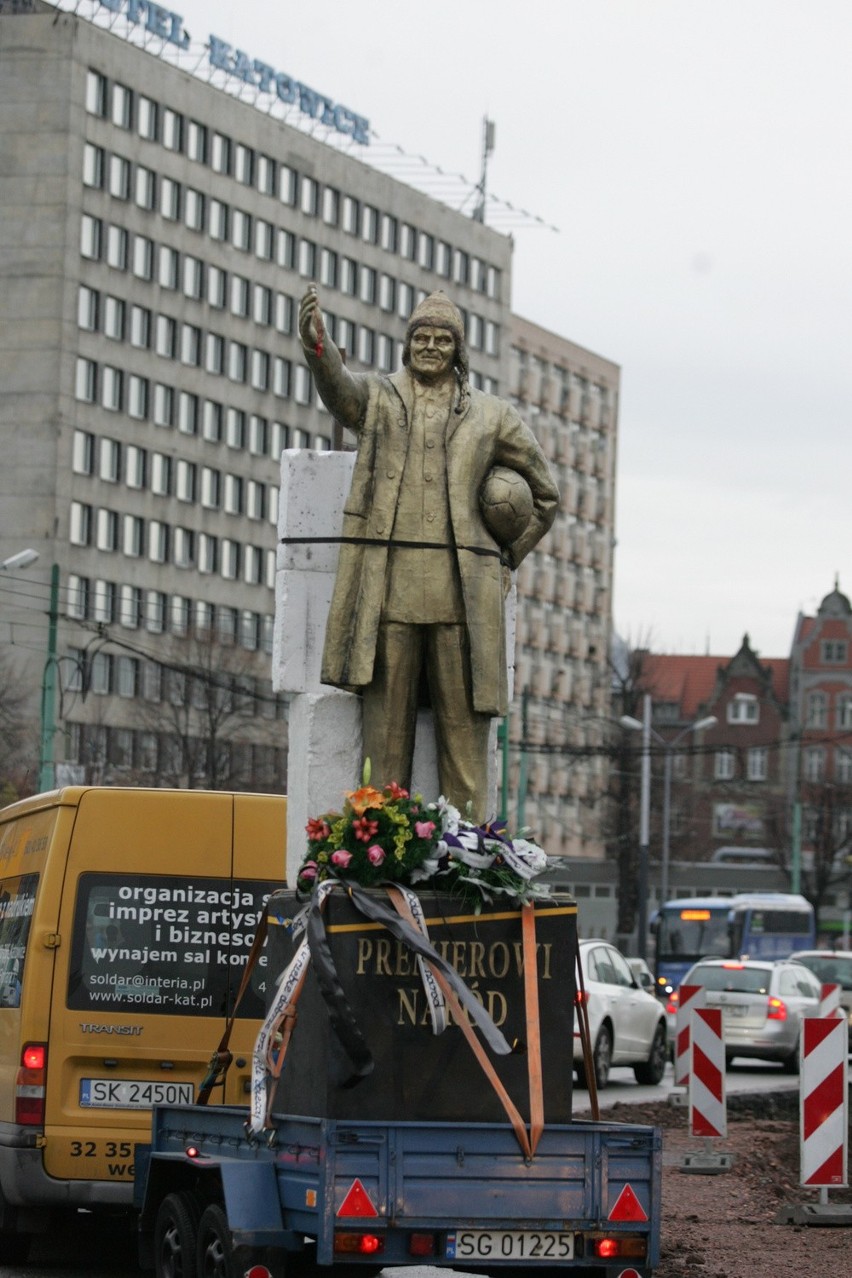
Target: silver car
[763,1004]
[832,967]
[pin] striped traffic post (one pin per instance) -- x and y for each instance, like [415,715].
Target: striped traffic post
[689,997]
[824,1105]
[708,1114]
[829,1000]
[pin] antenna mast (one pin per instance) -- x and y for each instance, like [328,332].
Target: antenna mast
[487,148]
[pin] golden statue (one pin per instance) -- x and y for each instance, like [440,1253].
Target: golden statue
[418,598]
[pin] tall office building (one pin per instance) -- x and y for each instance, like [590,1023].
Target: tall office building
[156,235]
[560,726]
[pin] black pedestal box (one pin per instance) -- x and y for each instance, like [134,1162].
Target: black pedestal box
[419,1075]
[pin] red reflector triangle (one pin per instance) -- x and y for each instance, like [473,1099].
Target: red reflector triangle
[357,1202]
[628,1207]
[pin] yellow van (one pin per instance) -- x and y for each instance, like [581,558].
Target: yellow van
[126,919]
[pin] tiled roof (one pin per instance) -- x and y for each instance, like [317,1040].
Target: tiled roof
[689,681]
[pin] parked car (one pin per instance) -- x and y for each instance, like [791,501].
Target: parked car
[642,972]
[627,1025]
[763,1004]
[832,967]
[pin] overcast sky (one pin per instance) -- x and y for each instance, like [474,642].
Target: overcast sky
[695,156]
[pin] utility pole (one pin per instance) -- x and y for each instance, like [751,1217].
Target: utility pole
[48,689]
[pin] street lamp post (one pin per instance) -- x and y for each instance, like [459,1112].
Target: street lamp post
[669,748]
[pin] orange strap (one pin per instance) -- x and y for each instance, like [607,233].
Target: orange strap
[275,1062]
[512,1112]
[220,1061]
[533,1025]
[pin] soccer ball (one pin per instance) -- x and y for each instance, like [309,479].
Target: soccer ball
[506,504]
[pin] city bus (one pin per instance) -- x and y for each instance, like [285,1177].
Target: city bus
[748,925]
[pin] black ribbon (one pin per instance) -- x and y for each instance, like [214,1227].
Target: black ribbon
[394,544]
[342,1018]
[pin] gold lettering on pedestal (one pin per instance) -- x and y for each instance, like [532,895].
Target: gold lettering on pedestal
[412,1008]
[471,959]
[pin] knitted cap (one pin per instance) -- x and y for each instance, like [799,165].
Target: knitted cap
[437,311]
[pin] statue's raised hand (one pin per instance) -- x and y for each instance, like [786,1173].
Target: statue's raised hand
[311,327]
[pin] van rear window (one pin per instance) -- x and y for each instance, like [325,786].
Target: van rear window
[17,901]
[169,946]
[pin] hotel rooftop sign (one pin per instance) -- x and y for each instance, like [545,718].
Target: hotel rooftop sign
[169,27]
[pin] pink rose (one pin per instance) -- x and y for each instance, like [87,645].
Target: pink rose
[375,854]
[308,870]
[341,857]
[424,829]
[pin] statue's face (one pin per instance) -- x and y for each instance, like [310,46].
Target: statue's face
[432,351]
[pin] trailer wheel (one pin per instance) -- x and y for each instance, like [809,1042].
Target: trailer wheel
[215,1251]
[175,1237]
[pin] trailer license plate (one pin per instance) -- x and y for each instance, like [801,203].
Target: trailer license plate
[509,1244]
[110,1093]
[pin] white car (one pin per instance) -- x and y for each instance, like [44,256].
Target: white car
[627,1025]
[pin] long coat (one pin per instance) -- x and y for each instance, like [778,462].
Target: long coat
[488,432]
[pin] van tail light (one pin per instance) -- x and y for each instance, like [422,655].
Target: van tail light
[581,998]
[29,1085]
[777,1010]
[672,1003]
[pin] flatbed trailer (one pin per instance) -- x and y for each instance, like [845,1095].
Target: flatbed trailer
[217,1202]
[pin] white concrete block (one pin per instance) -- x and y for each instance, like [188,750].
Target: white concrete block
[324,762]
[314,488]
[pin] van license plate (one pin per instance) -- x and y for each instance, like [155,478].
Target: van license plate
[509,1244]
[110,1093]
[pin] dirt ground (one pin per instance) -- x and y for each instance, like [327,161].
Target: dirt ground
[726,1225]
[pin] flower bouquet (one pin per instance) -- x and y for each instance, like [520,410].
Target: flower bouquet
[390,835]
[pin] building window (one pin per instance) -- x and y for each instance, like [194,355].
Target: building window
[350,215]
[725,762]
[207,553]
[285,250]
[170,199]
[145,187]
[264,239]
[211,421]
[83,453]
[220,153]
[143,257]
[843,710]
[261,308]
[210,488]
[309,197]
[172,130]
[109,469]
[235,428]
[158,552]
[146,118]
[260,370]
[834,652]
[87,308]
[104,601]
[218,223]
[265,175]
[193,277]
[328,268]
[241,230]
[196,141]
[444,259]
[106,535]
[185,481]
[183,542]
[217,287]
[168,274]
[302,389]
[407,241]
[137,397]
[93,166]
[77,602]
[214,353]
[165,336]
[283,317]
[814,762]
[230,559]
[743,708]
[119,177]
[233,503]
[187,413]
[757,763]
[117,247]
[134,466]
[133,538]
[239,296]
[255,494]
[163,405]
[281,371]
[193,209]
[307,258]
[86,380]
[90,237]
[816,714]
[237,361]
[190,346]
[161,474]
[330,206]
[843,765]
[96,93]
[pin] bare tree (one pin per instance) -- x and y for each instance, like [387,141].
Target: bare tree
[18,737]
[207,719]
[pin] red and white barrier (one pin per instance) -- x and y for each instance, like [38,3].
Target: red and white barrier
[689,997]
[823,1111]
[708,1115]
[829,1001]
